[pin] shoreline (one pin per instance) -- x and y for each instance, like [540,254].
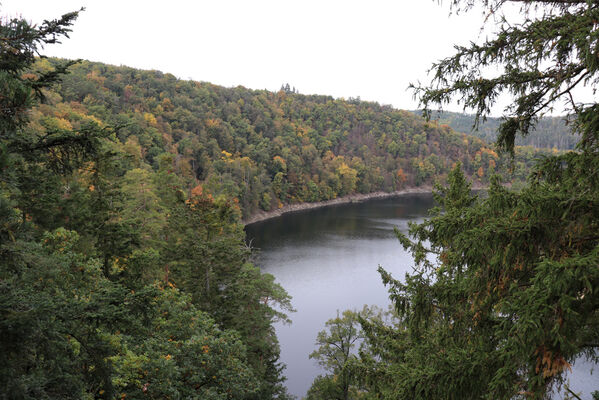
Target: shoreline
[351,198]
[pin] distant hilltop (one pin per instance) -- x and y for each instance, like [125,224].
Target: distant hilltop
[550,132]
[265,149]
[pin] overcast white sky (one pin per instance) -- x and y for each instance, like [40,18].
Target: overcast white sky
[372,49]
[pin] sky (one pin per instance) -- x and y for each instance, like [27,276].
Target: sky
[369,49]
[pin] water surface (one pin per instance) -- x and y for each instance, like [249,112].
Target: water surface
[327,260]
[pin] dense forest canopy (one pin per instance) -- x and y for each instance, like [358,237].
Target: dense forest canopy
[262,148]
[123,267]
[503,299]
[117,280]
[549,132]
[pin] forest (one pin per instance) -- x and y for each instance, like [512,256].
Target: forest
[549,132]
[264,149]
[124,271]
[502,301]
[117,280]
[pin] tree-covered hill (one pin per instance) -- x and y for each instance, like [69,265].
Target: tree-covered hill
[549,133]
[116,279]
[262,148]
[502,302]
[123,267]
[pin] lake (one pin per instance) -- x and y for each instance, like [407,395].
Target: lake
[327,260]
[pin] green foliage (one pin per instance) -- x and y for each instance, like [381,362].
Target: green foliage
[336,342]
[500,305]
[92,238]
[541,60]
[336,352]
[265,149]
[122,276]
[182,354]
[142,206]
[502,300]
[207,257]
[325,387]
[70,332]
[549,132]
[20,43]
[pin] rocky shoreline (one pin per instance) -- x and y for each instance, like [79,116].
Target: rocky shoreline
[352,198]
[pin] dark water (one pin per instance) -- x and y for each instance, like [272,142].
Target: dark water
[327,260]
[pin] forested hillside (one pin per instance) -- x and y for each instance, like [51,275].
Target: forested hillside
[502,300]
[123,267]
[549,133]
[259,148]
[117,280]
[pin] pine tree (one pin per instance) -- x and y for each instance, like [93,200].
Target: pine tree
[67,331]
[541,61]
[503,299]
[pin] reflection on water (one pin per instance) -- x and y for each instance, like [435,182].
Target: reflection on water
[327,260]
[370,219]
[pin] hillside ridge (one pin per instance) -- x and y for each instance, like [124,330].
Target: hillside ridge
[266,149]
[549,132]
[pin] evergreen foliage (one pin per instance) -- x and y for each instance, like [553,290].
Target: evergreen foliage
[123,269]
[100,255]
[503,298]
[548,132]
[542,60]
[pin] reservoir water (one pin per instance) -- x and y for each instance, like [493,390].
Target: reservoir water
[327,260]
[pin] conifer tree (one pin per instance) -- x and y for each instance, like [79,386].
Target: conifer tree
[81,316]
[503,300]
